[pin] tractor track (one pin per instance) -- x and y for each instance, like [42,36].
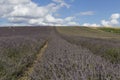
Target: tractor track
[30,68]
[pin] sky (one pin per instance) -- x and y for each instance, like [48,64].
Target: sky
[94,13]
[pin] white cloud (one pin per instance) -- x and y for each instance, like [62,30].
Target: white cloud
[62,3]
[28,12]
[72,24]
[115,16]
[87,13]
[114,20]
[69,18]
[105,23]
[91,25]
[14,1]
[50,19]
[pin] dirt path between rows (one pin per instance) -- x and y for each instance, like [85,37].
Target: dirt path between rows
[30,68]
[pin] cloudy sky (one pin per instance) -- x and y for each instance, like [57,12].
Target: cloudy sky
[60,12]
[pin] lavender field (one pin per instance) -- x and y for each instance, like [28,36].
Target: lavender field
[48,53]
[18,49]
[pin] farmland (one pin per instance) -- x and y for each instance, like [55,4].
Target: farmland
[101,43]
[18,49]
[62,53]
[112,30]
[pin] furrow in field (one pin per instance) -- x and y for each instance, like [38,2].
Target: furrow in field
[30,68]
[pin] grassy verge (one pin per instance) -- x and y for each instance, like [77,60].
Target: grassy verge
[87,32]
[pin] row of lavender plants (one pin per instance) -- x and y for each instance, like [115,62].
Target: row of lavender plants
[65,61]
[18,51]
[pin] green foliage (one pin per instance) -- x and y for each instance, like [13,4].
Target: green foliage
[112,30]
[113,54]
[2,69]
[17,53]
